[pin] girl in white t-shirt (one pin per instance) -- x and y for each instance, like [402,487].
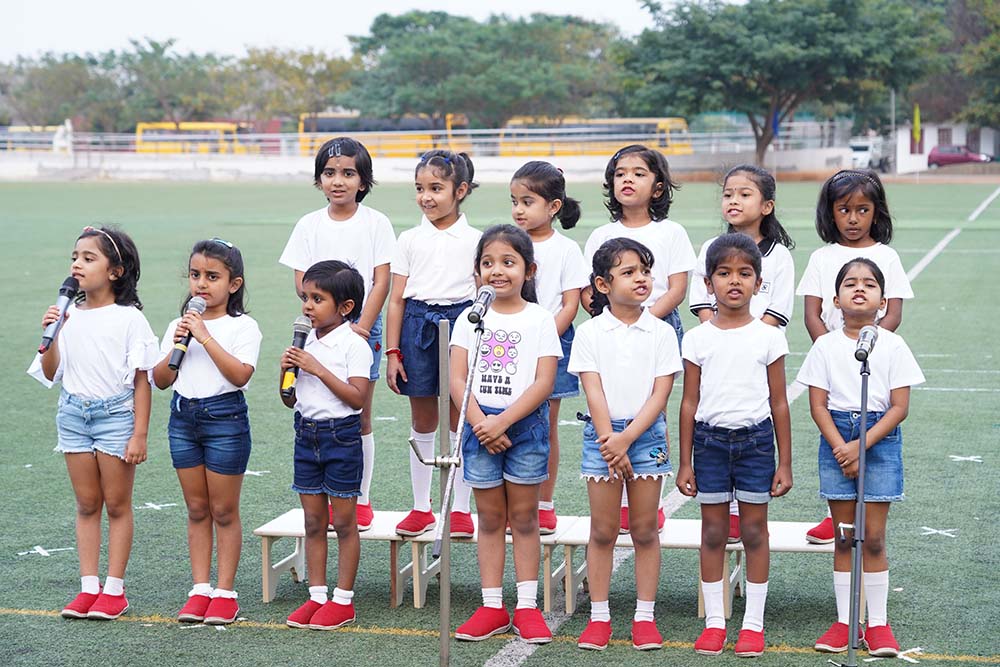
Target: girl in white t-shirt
[505,448]
[101,355]
[209,429]
[832,374]
[538,195]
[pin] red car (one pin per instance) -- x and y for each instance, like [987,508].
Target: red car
[951,154]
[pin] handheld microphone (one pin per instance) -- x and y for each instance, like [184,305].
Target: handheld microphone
[67,292]
[866,342]
[195,305]
[484,299]
[300,331]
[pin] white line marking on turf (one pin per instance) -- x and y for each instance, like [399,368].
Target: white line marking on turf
[982,207]
[42,551]
[971,459]
[947,532]
[934,252]
[257,473]
[155,506]
[974,390]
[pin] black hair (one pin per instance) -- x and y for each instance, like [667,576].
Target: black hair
[606,258]
[348,148]
[864,261]
[456,167]
[729,245]
[770,229]
[232,259]
[340,280]
[122,254]
[847,182]
[547,182]
[658,206]
[519,240]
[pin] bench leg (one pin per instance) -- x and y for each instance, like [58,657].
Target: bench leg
[547,578]
[395,596]
[573,577]
[269,583]
[295,563]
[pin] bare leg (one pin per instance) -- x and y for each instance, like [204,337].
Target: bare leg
[644,502]
[348,543]
[492,507]
[224,498]
[199,524]
[85,477]
[522,512]
[117,478]
[714,533]
[753,527]
[604,501]
[314,507]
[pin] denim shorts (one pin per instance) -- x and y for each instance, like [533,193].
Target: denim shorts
[87,426]
[673,318]
[525,462]
[567,384]
[418,341]
[883,463]
[730,462]
[328,456]
[213,432]
[648,454]
[375,343]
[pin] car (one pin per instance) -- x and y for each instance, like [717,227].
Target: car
[946,154]
[870,153]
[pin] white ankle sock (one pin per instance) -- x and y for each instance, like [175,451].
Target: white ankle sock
[340,596]
[842,591]
[200,589]
[90,584]
[715,610]
[318,594]
[877,595]
[753,616]
[734,507]
[461,492]
[546,505]
[420,474]
[493,597]
[644,610]
[527,594]
[624,496]
[600,611]
[223,593]
[368,455]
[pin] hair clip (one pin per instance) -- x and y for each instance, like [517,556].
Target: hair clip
[334,150]
[88,228]
[216,239]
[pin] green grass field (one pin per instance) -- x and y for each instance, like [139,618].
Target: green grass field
[944,589]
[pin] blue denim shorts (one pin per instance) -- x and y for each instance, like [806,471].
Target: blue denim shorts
[328,456]
[673,318]
[567,384]
[648,454]
[375,343]
[525,462]
[418,341]
[883,463]
[88,426]
[213,432]
[730,462]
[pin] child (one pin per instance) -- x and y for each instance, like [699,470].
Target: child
[639,190]
[537,195]
[328,398]
[209,429]
[733,407]
[748,207]
[852,218]
[101,355]
[505,442]
[832,375]
[626,359]
[431,280]
[347,230]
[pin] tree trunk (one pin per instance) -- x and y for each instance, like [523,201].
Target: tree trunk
[763,139]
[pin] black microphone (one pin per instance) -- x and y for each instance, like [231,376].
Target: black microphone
[195,305]
[866,342]
[67,292]
[483,301]
[300,331]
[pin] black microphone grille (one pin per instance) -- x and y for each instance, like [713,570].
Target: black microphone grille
[197,305]
[71,283]
[302,324]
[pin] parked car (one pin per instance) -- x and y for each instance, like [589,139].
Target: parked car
[870,153]
[945,154]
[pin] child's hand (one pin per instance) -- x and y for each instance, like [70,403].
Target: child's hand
[135,450]
[501,444]
[613,448]
[847,453]
[303,360]
[360,330]
[685,481]
[782,482]
[193,324]
[490,431]
[851,469]
[394,368]
[622,469]
[52,315]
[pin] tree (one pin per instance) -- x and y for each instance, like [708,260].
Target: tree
[48,90]
[980,62]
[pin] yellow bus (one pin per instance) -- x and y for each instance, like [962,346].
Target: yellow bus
[409,136]
[571,135]
[191,137]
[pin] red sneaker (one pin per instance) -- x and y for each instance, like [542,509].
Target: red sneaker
[80,605]
[461,524]
[300,617]
[623,528]
[821,533]
[836,639]
[645,636]
[749,644]
[711,641]
[881,642]
[595,636]
[108,607]
[222,611]
[483,624]
[331,616]
[365,516]
[734,529]
[194,609]
[530,626]
[416,523]
[546,522]
[661,519]
[329,523]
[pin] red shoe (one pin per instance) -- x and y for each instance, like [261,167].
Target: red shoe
[331,616]
[329,523]
[483,624]
[645,636]
[546,522]
[530,626]
[365,516]
[222,611]
[108,607]
[461,524]
[750,644]
[836,639]
[623,528]
[881,642]
[595,636]
[416,523]
[711,641]
[661,519]
[301,616]
[194,609]
[80,605]
[821,533]
[734,529]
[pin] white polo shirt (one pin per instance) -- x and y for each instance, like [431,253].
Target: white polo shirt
[560,268]
[198,376]
[439,264]
[346,355]
[628,358]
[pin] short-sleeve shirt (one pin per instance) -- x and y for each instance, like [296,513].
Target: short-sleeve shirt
[560,268]
[346,355]
[439,264]
[198,376]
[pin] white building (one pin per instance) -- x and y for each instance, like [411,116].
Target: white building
[911,156]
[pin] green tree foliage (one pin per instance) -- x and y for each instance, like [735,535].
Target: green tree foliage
[48,90]
[980,62]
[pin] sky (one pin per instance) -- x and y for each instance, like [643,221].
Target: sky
[32,27]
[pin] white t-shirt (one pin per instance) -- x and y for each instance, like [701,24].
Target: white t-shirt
[825,263]
[509,352]
[777,289]
[198,376]
[365,240]
[439,263]
[830,365]
[667,240]
[733,362]
[100,350]
[628,357]
[560,268]
[346,355]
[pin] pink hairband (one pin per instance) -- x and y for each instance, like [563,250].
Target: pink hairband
[88,228]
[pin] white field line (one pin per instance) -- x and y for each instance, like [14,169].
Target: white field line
[983,206]
[971,390]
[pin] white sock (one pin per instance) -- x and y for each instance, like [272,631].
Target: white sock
[527,594]
[546,505]
[114,586]
[223,593]
[461,492]
[842,591]
[368,453]
[753,616]
[90,584]
[644,610]
[318,594]
[715,610]
[200,589]
[624,496]
[877,594]
[600,611]
[734,507]
[420,474]
[493,597]
[340,596]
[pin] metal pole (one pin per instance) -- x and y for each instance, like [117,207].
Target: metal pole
[444,429]
[892,116]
